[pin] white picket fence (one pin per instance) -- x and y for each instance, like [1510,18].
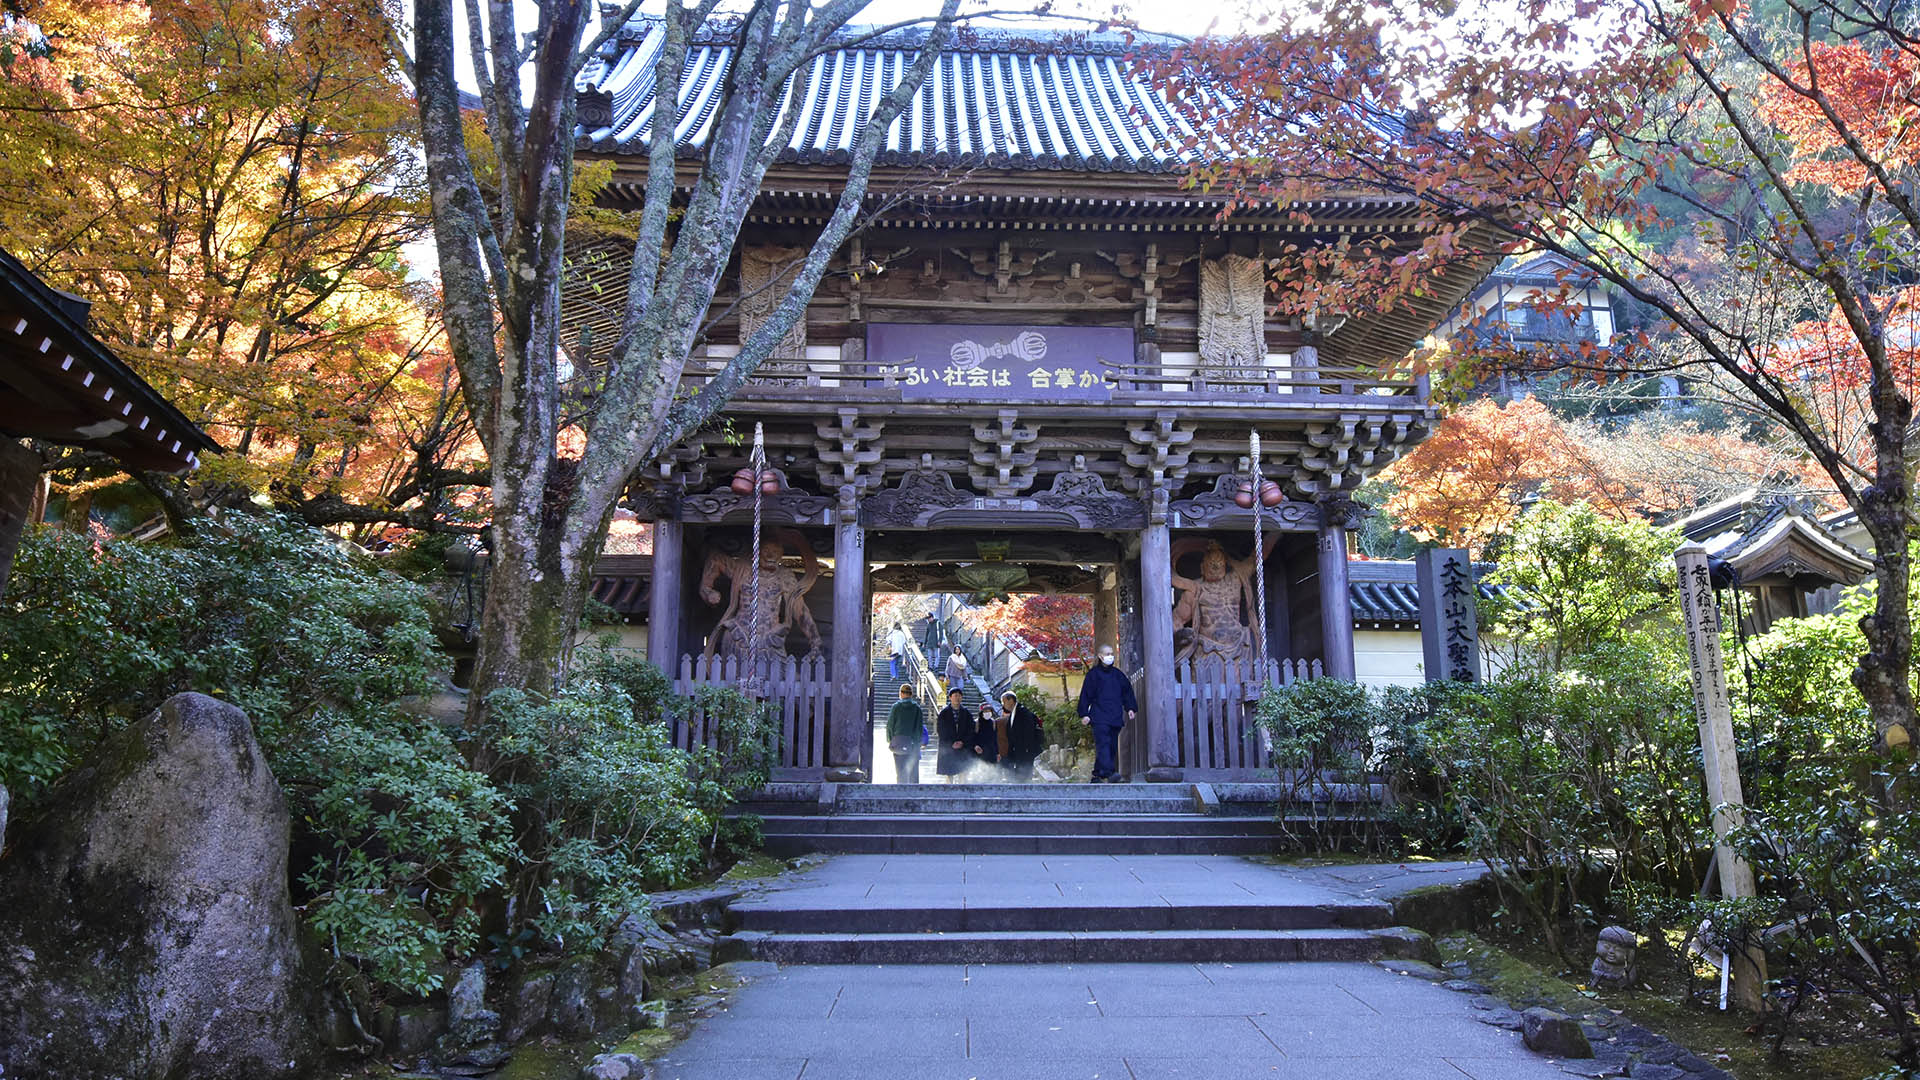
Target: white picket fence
[801,692]
[1213,706]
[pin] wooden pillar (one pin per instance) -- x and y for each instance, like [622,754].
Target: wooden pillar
[663,599]
[1713,711]
[1156,632]
[851,664]
[19,486]
[1336,605]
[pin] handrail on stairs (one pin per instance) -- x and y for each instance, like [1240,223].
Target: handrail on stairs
[926,685]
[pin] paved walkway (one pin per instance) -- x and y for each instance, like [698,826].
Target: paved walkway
[1104,1021]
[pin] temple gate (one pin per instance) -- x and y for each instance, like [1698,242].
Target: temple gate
[1041,351]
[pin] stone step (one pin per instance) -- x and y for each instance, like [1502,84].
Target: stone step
[1012,804]
[790,915]
[1098,946]
[789,845]
[854,793]
[1186,824]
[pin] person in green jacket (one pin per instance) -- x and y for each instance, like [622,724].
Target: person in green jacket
[906,733]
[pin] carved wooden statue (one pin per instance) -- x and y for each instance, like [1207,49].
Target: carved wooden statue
[1218,606]
[782,607]
[1233,315]
[766,277]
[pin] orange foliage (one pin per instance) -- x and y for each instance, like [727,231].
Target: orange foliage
[1465,483]
[1871,93]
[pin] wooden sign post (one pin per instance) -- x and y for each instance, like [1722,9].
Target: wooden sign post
[1713,711]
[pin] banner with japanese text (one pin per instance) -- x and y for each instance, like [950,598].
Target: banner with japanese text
[999,363]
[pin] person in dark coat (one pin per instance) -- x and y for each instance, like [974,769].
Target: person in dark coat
[1024,737]
[1106,704]
[955,727]
[986,735]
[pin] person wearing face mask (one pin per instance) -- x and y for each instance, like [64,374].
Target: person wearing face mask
[1106,704]
[1022,738]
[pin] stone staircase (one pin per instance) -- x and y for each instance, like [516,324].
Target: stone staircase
[1029,819]
[1061,909]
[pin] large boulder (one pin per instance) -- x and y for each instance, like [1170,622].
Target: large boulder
[145,927]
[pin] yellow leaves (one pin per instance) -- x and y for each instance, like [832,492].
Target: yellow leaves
[232,191]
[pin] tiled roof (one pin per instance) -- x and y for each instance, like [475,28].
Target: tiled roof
[1034,99]
[621,582]
[1759,534]
[1385,591]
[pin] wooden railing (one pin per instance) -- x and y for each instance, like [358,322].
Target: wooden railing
[1213,706]
[801,692]
[860,380]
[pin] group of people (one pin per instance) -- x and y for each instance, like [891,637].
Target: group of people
[1009,738]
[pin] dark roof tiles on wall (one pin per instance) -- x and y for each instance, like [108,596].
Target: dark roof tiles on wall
[1038,100]
[1386,591]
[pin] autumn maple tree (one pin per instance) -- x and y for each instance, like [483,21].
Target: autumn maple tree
[1468,482]
[1782,140]
[1059,625]
[231,184]
[1465,484]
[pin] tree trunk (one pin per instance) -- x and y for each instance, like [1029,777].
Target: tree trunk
[1884,676]
[535,598]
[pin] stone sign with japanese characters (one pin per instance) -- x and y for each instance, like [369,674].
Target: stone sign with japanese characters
[999,363]
[1449,619]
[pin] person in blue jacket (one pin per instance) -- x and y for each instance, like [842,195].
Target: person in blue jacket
[1106,704]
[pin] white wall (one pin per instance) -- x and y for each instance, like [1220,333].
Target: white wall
[1388,658]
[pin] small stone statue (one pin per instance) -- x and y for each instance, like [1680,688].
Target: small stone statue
[1613,966]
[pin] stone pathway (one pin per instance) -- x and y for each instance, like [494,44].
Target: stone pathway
[1299,1021]
[1101,1020]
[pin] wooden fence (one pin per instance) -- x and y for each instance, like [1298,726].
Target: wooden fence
[801,692]
[1213,708]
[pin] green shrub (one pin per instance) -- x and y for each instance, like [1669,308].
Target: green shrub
[1575,785]
[404,841]
[404,853]
[269,615]
[1837,851]
[1321,733]
[1319,729]
[1839,862]
[394,838]
[1574,773]
[608,807]
[1410,729]
[1059,720]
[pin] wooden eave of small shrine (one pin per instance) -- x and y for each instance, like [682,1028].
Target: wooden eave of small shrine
[1792,549]
[60,384]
